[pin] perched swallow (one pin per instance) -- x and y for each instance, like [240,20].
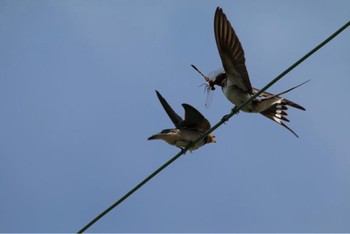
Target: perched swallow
[186,131]
[235,81]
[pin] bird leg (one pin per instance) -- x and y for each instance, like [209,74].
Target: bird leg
[225,117]
[234,109]
[182,150]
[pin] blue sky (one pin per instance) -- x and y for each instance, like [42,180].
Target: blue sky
[77,99]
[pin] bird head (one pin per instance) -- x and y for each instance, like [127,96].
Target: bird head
[210,139]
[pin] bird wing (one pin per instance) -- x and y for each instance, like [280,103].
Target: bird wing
[194,119]
[175,118]
[231,52]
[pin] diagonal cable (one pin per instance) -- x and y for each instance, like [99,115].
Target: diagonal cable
[227,117]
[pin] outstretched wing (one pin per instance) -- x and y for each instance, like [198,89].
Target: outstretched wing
[194,119]
[231,52]
[175,118]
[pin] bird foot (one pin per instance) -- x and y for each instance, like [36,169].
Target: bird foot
[182,150]
[234,109]
[226,117]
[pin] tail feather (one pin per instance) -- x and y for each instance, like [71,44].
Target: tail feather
[164,134]
[288,90]
[154,137]
[268,95]
[282,113]
[278,111]
[278,114]
[283,118]
[293,104]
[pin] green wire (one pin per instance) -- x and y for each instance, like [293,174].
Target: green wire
[227,117]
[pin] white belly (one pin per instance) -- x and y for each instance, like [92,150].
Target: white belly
[238,97]
[186,137]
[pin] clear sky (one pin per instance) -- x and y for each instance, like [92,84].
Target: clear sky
[77,81]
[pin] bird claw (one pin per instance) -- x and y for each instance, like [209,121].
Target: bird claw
[182,150]
[234,109]
[225,119]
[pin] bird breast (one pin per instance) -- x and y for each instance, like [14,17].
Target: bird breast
[236,96]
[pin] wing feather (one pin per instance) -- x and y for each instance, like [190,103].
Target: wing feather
[231,52]
[194,119]
[175,118]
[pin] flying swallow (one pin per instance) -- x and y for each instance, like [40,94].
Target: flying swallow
[186,130]
[235,82]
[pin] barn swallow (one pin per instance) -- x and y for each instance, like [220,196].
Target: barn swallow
[186,131]
[235,81]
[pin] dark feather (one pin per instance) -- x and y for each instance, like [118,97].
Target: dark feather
[175,118]
[231,51]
